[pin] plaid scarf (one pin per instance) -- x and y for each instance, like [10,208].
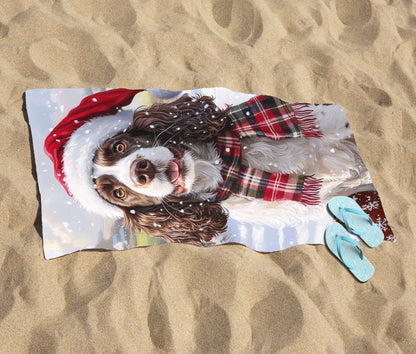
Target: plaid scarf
[265,116]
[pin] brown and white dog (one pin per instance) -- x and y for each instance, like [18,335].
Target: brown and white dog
[159,169]
[162,173]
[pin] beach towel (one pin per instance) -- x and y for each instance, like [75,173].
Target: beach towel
[264,210]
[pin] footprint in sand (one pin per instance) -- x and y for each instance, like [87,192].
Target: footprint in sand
[158,316]
[88,295]
[361,27]
[11,276]
[237,21]
[212,325]
[59,54]
[401,329]
[43,340]
[213,332]
[353,13]
[83,287]
[69,61]
[276,320]
[377,95]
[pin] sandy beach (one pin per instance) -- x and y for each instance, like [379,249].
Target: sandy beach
[360,54]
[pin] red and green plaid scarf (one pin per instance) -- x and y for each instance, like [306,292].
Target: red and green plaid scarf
[265,116]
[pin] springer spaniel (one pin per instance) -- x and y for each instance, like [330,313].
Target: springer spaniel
[163,170]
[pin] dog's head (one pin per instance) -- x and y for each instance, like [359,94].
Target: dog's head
[162,170]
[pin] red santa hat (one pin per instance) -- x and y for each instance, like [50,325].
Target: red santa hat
[72,144]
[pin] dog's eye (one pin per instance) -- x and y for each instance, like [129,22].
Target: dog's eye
[120,147]
[119,193]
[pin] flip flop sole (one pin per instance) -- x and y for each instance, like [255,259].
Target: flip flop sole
[362,269]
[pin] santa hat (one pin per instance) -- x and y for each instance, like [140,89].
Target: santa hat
[72,144]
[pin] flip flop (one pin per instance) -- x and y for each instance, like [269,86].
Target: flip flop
[356,220]
[348,252]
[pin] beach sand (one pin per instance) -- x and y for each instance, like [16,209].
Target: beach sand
[180,298]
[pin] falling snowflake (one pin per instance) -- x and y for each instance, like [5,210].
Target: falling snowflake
[371,205]
[382,223]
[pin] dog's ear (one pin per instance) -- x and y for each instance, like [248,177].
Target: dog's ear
[194,222]
[186,119]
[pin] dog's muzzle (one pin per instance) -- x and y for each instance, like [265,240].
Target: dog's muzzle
[142,171]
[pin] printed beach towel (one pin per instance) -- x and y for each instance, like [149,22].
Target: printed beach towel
[120,168]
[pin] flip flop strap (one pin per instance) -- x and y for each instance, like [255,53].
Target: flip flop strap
[341,238]
[354,211]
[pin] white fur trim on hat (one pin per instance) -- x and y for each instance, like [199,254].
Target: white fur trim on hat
[78,160]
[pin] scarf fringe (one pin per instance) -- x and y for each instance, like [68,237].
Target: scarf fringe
[306,120]
[310,190]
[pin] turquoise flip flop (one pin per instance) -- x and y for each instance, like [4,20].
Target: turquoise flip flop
[348,252]
[356,220]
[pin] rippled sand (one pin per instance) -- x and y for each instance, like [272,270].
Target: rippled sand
[177,298]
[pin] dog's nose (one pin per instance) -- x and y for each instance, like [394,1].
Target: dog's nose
[144,171]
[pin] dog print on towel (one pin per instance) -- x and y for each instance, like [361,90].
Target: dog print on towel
[169,169]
